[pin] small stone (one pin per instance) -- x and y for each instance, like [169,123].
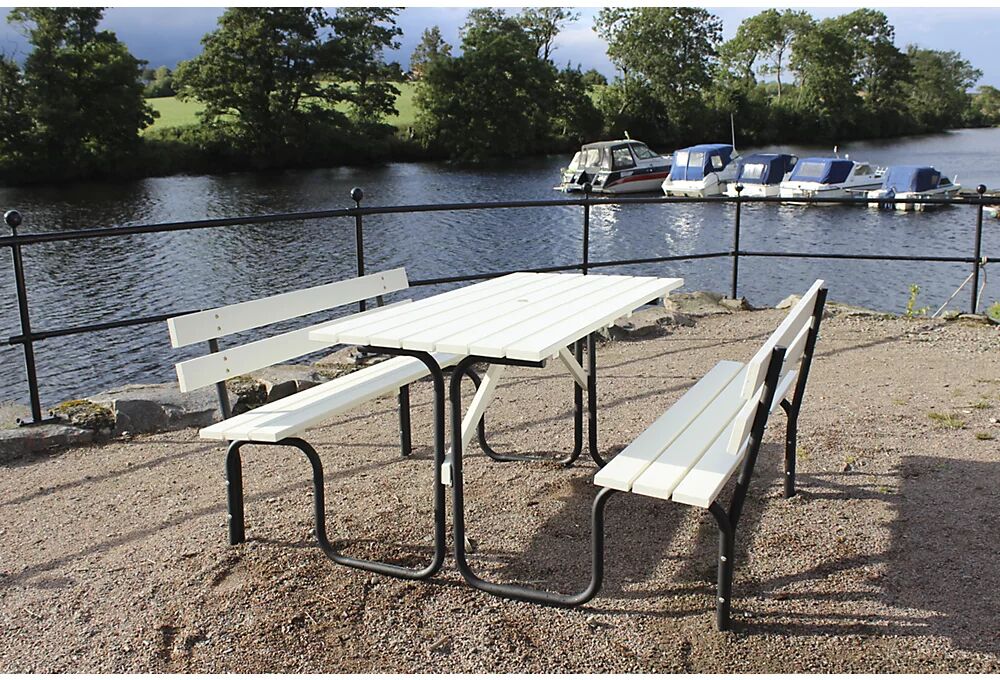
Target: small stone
[471,545]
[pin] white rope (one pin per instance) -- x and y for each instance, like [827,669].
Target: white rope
[957,291]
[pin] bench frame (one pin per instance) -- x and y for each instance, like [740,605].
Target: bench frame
[727,519]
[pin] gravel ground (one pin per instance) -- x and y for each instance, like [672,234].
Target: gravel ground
[114,557]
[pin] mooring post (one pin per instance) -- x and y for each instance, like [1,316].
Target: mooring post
[736,242]
[359,238]
[13,220]
[587,188]
[977,251]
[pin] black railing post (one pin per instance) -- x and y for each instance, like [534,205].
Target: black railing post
[585,264]
[13,220]
[736,243]
[978,250]
[359,238]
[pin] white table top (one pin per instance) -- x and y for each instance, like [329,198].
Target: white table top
[519,316]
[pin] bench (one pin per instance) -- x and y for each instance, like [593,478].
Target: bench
[284,421]
[689,454]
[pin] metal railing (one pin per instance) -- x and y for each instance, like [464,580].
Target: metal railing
[28,336]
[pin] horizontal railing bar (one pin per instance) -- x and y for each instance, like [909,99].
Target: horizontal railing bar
[90,328]
[858,256]
[666,258]
[165,227]
[492,275]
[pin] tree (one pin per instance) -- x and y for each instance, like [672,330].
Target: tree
[81,88]
[363,33]
[762,44]
[880,69]
[574,115]
[937,96]
[494,100]
[14,119]
[593,77]
[259,75]
[542,24]
[158,82]
[986,106]
[823,59]
[670,51]
[430,48]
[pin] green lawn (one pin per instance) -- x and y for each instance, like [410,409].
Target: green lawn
[174,112]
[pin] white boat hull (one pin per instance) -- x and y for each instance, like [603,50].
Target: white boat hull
[885,201]
[710,186]
[753,190]
[806,190]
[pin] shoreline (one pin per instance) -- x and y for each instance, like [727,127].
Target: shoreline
[124,411]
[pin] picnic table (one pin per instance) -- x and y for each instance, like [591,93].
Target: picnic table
[522,319]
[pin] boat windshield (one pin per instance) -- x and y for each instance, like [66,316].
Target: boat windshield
[642,152]
[753,171]
[696,160]
[810,169]
[622,158]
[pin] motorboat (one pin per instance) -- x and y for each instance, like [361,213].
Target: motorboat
[911,181]
[830,178]
[623,166]
[702,170]
[760,174]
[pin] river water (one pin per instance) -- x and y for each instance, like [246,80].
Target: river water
[106,279]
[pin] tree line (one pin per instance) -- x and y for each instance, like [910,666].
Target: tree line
[301,86]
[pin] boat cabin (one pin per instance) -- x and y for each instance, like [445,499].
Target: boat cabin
[902,179]
[765,168]
[621,154]
[695,162]
[826,170]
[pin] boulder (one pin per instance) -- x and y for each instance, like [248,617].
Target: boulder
[740,304]
[836,309]
[648,322]
[20,441]
[286,379]
[11,411]
[154,408]
[698,303]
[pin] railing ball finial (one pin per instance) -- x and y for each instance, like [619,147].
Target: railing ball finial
[12,218]
[356,195]
[739,189]
[981,189]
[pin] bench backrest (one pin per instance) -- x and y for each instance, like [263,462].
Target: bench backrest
[795,334]
[213,324]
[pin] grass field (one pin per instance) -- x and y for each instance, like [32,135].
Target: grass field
[174,112]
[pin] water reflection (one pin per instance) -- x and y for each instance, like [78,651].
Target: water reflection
[105,279]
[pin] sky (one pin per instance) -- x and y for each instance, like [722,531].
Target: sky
[165,36]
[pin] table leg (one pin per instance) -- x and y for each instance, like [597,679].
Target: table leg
[458,507]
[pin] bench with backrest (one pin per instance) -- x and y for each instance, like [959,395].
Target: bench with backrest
[710,434]
[284,421]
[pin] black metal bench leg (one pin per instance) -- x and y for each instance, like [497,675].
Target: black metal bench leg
[791,437]
[577,425]
[592,400]
[405,432]
[234,494]
[724,586]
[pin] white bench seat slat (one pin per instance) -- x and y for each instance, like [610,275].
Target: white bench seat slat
[632,461]
[666,472]
[239,360]
[292,415]
[217,323]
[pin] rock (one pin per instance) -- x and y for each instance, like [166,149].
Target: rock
[740,304]
[788,302]
[951,315]
[17,442]
[285,379]
[11,412]
[974,318]
[154,408]
[699,303]
[644,323]
[87,415]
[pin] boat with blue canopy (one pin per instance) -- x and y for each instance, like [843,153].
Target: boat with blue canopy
[702,170]
[912,181]
[830,178]
[761,174]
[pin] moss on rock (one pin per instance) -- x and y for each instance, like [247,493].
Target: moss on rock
[86,414]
